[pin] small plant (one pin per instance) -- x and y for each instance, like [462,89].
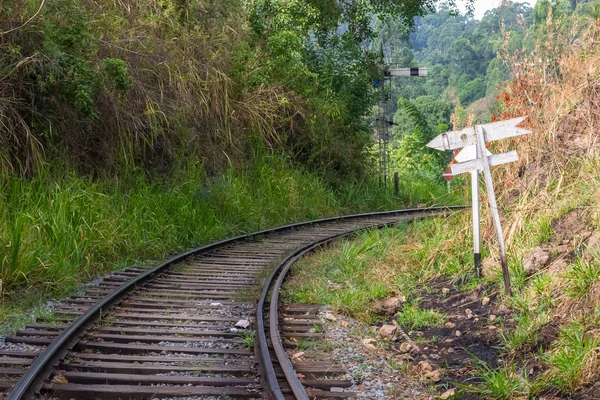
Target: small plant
[499,384]
[571,358]
[412,317]
[581,276]
[247,338]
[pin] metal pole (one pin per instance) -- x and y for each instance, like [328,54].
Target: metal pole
[493,206]
[476,234]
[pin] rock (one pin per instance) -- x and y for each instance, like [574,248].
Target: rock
[393,304]
[405,347]
[492,327]
[476,319]
[387,331]
[536,260]
[434,375]
[445,291]
[450,325]
[298,355]
[336,389]
[216,304]
[59,379]
[343,323]
[485,301]
[369,344]
[492,318]
[330,317]
[243,323]
[448,393]
[424,367]
[490,267]
[457,333]
[469,313]
[420,334]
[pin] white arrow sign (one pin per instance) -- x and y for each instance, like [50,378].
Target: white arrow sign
[468,137]
[477,164]
[475,158]
[469,153]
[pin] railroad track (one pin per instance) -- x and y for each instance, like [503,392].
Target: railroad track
[170,331]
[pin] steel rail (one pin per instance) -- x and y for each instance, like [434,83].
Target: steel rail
[280,273]
[32,381]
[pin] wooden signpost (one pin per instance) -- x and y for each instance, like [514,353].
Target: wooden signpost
[475,159]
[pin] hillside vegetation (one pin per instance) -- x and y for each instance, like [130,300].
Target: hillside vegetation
[133,129]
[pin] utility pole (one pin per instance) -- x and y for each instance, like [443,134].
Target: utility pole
[383,135]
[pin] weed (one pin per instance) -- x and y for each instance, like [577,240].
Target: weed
[247,339]
[581,275]
[570,358]
[412,317]
[501,384]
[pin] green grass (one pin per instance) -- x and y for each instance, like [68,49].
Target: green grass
[570,357]
[412,317]
[499,384]
[57,233]
[581,275]
[355,273]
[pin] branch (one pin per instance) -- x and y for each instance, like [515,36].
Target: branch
[26,22]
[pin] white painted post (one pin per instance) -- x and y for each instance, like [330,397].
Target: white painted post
[476,234]
[493,206]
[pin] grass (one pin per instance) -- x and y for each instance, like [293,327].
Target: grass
[412,317]
[247,339]
[499,384]
[58,233]
[581,276]
[572,360]
[355,273]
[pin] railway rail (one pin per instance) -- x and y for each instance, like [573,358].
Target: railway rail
[178,330]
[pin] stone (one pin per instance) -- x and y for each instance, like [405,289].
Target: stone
[330,317]
[536,260]
[445,291]
[387,331]
[450,325]
[447,394]
[343,323]
[490,268]
[393,304]
[458,333]
[243,323]
[433,376]
[369,344]
[492,318]
[405,347]
[469,313]
[485,301]
[424,367]
[336,389]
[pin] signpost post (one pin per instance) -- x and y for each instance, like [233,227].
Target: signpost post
[475,158]
[383,136]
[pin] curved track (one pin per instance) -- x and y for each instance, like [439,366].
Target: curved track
[169,332]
